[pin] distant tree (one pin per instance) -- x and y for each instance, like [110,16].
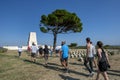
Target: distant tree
[81,47]
[107,46]
[73,45]
[2,50]
[60,21]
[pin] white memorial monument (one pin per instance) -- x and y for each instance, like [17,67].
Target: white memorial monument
[32,38]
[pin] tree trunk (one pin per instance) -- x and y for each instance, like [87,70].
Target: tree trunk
[55,40]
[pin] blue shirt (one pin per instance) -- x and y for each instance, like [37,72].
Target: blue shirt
[65,51]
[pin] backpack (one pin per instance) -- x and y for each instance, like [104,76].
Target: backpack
[103,64]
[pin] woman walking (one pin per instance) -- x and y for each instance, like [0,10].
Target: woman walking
[103,61]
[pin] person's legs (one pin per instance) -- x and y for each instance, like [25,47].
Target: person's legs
[46,58]
[98,74]
[57,53]
[95,62]
[50,53]
[34,57]
[105,75]
[64,62]
[91,64]
[31,56]
[19,54]
[41,54]
[86,65]
[65,66]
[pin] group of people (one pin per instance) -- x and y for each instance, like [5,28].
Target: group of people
[34,50]
[102,63]
[63,52]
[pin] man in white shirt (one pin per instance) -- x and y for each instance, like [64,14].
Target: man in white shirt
[34,51]
[89,57]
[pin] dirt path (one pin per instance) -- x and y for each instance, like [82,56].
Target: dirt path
[77,70]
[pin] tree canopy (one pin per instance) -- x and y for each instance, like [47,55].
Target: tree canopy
[60,21]
[73,45]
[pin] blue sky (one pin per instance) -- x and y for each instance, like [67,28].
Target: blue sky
[100,18]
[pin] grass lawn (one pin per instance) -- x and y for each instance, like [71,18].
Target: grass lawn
[14,68]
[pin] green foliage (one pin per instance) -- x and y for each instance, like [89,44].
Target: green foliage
[2,50]
[43,29]
[73,45]
[106,46]
[81,47]
[111,47]
[60,21]
[112,52]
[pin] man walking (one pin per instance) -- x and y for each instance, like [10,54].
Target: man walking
[34,51]
[64,55]
[89,57]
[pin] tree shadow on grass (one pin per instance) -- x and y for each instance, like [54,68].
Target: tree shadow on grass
[78,73]
[55,67]
[33,62]
[67,77]
[117,71]
[76,64]
[54,64]
[114,72]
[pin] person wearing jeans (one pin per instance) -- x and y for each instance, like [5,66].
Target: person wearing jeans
[90,66]
[89,57]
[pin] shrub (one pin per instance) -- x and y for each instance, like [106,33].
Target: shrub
[112,53]
[2,50]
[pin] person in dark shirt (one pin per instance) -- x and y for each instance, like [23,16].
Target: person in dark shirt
[40,51]
[103,61]
[46,53]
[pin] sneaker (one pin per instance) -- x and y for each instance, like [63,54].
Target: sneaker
[91,74]
[66,70]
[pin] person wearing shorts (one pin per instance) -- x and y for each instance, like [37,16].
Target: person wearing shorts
[64,56]
[34,50]
[103,61]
